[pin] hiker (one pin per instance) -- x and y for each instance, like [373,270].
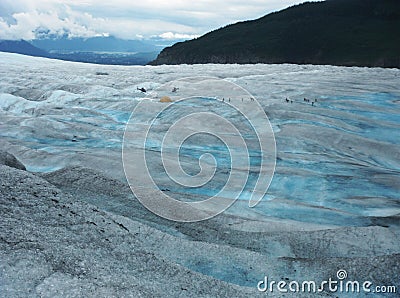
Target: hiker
[175,89]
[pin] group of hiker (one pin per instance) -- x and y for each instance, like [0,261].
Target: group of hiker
[304,100]
[175,89]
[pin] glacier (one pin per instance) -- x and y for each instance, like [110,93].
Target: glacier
[337,161]
[332,157]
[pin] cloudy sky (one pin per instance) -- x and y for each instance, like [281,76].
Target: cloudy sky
[128,19]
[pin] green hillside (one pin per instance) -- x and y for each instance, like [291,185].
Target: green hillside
[337,32]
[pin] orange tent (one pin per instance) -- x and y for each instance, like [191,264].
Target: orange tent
[165,99]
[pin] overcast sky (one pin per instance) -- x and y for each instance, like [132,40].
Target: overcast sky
[128,19]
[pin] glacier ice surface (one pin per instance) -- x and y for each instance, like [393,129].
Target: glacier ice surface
[337,161]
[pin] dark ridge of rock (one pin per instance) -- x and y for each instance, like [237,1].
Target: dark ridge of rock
[10,160]
[31,94]
[77,178]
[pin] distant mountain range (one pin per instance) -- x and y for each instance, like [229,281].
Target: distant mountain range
[100,50]
[93,44]
[21,47]
[336,32]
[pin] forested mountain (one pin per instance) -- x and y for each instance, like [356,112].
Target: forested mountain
[337,32]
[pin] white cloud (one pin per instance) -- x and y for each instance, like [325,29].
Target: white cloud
[174,19]
[171,35]
[28,24]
